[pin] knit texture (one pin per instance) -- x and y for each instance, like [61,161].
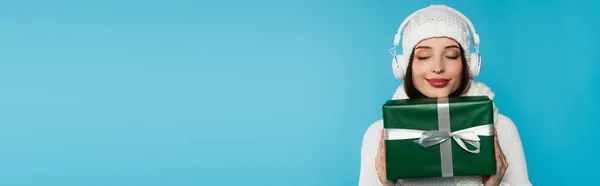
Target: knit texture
[435,21]
[508,139]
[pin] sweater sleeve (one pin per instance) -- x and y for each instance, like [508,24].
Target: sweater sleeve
[368,153]
[510,143]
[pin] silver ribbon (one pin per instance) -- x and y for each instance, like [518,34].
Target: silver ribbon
[442,136]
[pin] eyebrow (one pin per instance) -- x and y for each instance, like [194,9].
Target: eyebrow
[451,46]
[428,47]
[425,47]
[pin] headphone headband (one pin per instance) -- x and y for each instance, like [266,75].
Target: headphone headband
[463,17]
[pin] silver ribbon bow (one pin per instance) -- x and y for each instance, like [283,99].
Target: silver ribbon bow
[470,136]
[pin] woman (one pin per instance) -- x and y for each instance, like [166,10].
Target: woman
[438,63]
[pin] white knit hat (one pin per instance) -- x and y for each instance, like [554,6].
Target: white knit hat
[436,21]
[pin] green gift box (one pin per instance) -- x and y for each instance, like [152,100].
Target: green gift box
[439,137]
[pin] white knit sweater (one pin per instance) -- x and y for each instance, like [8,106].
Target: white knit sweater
[508,139]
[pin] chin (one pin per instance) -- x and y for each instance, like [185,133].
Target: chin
[437,95]
[433,92]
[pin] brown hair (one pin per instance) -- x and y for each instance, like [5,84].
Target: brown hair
[412,92]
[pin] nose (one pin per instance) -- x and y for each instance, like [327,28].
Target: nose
[437,66]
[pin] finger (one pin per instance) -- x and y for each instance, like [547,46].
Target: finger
[505,163]
[502,157]
[495,138]
[382,142]
[499,164]
[499,160]
[498,151]
[503,166]
[497,146]
[495,134]
[381,149]
[485,178]
[502,172]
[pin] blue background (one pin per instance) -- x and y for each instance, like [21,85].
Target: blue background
[265,92]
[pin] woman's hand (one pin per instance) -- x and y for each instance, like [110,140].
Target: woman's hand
[380,162]
[501,166]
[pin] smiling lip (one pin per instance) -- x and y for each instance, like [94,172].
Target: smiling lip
[438,82]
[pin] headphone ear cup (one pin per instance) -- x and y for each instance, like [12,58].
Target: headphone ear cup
[399,65]
[475,64]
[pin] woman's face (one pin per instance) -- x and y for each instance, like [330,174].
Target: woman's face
[437,67]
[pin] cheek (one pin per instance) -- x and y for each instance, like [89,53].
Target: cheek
[454,70]
[419,69]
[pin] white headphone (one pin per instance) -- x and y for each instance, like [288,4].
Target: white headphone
[400,61]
